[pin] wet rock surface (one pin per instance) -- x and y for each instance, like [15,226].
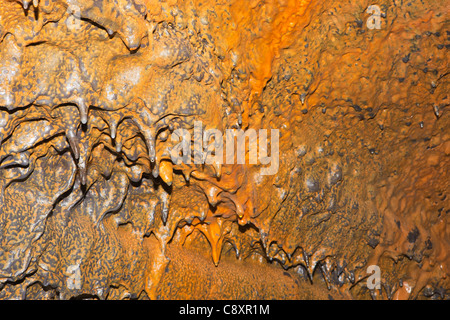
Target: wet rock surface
[93,206]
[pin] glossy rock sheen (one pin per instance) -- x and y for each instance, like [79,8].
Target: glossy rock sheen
[91,205]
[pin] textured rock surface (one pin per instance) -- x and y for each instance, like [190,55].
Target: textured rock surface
[91,205]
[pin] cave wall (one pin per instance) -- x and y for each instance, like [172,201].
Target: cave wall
[93,206]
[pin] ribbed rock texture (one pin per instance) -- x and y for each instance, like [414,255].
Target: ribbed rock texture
[92,206]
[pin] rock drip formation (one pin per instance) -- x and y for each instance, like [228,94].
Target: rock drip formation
[92,204]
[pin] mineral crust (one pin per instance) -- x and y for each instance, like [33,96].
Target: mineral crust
[92,204]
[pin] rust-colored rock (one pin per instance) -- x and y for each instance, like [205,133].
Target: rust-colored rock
[93,93]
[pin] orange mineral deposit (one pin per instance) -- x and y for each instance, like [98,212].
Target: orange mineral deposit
[98,100]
